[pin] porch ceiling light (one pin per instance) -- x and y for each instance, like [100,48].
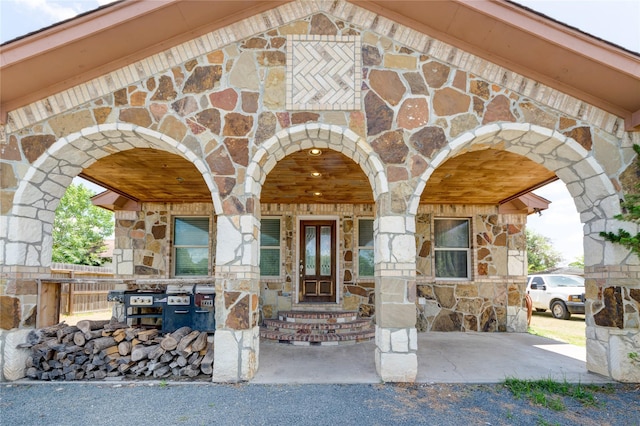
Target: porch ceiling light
[314,152]
[316,174]
[317,194]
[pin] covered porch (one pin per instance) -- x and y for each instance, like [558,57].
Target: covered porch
[442,358]
[316,188]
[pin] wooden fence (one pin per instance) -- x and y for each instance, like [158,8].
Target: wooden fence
[82,297]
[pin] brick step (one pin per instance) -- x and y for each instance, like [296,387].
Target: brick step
[317,327]
[324,317]
[319,339]
[304,327]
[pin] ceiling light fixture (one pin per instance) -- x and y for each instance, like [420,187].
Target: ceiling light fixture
[317,194]
[316,174]
[314,152]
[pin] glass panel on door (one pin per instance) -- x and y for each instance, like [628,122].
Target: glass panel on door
[310,250]
[325,250]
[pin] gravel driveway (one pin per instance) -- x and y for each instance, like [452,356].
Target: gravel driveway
[172,403]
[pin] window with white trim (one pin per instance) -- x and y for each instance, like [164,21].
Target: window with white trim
[270,247]
[365,248]
[191,246]
[452,248]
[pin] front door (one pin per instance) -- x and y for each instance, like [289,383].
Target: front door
[317,261]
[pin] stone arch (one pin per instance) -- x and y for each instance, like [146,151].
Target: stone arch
[30,220]
[592,191]
[316,135]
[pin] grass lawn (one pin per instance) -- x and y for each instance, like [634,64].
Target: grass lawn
[570,331]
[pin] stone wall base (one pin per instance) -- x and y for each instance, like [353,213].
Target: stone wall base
[516,319]
[13,360]
[236,355]
[614,353]
[396,357]
[118,312]
[395,367]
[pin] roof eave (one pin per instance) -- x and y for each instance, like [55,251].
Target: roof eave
[603,55]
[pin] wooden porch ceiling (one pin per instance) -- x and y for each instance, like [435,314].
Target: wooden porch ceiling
[479,177]
[484,177]
[340,180]
[149,175]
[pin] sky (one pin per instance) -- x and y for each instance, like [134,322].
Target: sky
[20,17]
[617,21]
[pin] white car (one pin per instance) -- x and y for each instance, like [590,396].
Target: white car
[563,294]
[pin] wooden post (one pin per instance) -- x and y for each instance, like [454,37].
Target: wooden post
[48,312]
[71,298]
[72,275]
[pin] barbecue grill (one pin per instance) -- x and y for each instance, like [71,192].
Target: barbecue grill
[191,307]
[179,306]
[144,309]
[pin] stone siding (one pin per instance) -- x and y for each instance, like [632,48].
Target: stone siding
[354,293]
[613,321]
[479,304]
[143,239]
[351,19]
[220,107]
[492,299]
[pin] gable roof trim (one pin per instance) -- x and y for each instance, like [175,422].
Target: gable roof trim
[369,21]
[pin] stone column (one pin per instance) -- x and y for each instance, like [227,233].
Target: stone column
[18,314]
[612,310]
[516,277]
[237,336]
[396,335]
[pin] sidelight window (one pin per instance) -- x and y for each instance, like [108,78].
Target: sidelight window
[270,247]
[365,248]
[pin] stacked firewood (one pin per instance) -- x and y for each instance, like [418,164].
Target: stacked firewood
[99,349]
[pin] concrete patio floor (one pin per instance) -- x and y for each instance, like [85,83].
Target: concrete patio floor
[442,358]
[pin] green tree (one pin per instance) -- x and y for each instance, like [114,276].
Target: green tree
[631,208]
[540,252]
[578,262]
[79,228]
